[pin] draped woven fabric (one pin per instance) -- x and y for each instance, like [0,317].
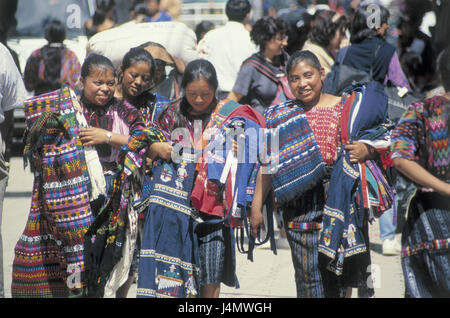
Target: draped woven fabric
[168,264]
[106,236]
[296,163]
[205,193]
[348,199]
[48,258]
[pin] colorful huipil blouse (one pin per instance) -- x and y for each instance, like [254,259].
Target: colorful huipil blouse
[118,117]
[324,122]
[34,74]
[423,135]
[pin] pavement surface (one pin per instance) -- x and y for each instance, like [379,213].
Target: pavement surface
[268,276]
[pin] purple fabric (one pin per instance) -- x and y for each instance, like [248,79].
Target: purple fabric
[395,73]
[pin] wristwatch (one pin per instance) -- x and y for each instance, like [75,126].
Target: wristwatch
[108,137]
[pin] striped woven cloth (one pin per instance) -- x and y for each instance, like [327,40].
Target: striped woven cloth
[296,163]
[48,258]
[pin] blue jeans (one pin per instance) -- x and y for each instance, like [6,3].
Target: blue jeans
[388,224]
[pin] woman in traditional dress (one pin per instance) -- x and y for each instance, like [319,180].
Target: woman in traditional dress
[117,131]
[420,151]
[314,140]
[73,143]
[187,252]
[136,78]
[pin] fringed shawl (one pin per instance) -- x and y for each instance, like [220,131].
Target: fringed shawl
[295,161]
[106,236]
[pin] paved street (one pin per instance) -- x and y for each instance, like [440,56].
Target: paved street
[268,275]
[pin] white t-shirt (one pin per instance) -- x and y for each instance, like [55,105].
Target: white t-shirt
[226,48]
[12,88]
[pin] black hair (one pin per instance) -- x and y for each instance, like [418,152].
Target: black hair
[51,55]
[265,29]
[93,61]
[195,71]
[138,54]
[237,10]
[101,11]
[203,27]
[363,24]
[443,63]
[300,56]
[133,56]
[324,28]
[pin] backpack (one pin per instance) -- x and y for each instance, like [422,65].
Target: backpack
[342,76]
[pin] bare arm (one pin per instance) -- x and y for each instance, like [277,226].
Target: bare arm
[418,174]
[94,136]
[234,96]
[262,189]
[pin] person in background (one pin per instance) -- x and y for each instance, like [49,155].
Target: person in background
[103,18]
[7,20]
[156,14]
[326,37]
[299,25]
[165,85]
[172,7]
[226,47]
[12,95]
[368,49]
[252,86]
[53,65]
[202,28]
[420,152]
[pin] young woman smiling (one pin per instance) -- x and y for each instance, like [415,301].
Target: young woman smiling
[318,116]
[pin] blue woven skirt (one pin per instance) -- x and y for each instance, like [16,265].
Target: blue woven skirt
[168,256]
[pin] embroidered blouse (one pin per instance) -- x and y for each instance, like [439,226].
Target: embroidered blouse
[324,122]
[118,117]
[422,135]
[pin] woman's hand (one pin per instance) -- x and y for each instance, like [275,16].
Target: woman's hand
[358,151]
[93,136]
[162,150]
[148,165]
[256,221]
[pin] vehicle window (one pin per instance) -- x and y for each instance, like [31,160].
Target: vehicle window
[32,15]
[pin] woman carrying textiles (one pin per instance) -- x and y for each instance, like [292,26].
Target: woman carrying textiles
[186,252]
[315,138]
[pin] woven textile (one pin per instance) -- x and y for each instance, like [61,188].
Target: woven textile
[344,238]
[422,135]
[48,258]
[106,236]
[168,265]
[296,163]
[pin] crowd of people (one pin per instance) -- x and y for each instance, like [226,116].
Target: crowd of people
[147,177]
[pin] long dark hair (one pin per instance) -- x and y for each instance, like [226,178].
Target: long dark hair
[195,71]
[360,27]
[133,56]
[51,54]
[101,12]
